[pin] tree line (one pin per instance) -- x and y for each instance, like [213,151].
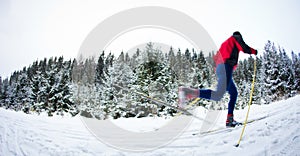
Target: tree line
[108,86]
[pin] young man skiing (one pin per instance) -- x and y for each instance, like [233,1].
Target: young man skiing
[226,61]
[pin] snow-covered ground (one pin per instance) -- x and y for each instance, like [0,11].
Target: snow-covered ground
[276,133]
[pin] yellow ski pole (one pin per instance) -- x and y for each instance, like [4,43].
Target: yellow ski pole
[249,104]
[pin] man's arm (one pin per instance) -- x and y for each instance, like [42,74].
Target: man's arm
[242,46]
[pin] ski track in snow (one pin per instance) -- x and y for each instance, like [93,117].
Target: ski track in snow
[277,134]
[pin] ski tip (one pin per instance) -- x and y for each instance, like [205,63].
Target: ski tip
[237,145]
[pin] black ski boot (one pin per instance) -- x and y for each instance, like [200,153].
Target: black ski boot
[230,122]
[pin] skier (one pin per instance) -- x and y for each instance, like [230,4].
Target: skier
[226,60]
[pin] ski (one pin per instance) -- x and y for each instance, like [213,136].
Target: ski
[227,129]
[158,102]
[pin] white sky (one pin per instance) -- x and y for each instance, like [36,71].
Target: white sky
[34,29]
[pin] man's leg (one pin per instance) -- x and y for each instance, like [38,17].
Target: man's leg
[230,122]
[217,94]
[233,96]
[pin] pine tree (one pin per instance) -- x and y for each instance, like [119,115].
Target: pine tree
[210,59]
[100,69]
[165,88]
[5,93]
[249,78]
[272,69]
[66,101]
[123,78]
[178,68]
[135,60]
[33,85]
[43,87]
[1,91]
[286,75]
[24,90]
[259,88]
[121,57]
[90,74]
[296,71]
[86,91]
[186,68]
[13,90]
[52,75]
[153,78]
[77,71]
[116,100]
[37,85]
[205,79]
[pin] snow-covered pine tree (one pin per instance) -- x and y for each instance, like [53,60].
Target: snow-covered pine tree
[272,69]
[165,88]
[195,74]
[204,80]
[135,60]
[153,77]
[201,75]
[77,71]
[109,61]
[171,58]
[147,73]
[210,59]
[1,91]
[84,87]
[286,75]
[35,77]
[107,100]
[109,105]
[296,71]
[24,91]
[42,95]
[5,93]
[128,80]
[52,76]
[178,66]
[264,76]
[13,90]
[186,68]
[249,76]
[118,100]
[259,89]
[239,79]
[96,102]
[244,88]
[100,69]
[89,72]
[64,95]
[33,85]
[77,85]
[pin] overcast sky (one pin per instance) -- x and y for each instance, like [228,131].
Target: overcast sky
[34,29]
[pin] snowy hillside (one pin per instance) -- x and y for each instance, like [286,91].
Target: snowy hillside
[278,132]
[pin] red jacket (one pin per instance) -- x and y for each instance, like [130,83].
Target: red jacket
[229,51]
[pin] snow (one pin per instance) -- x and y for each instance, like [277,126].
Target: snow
[139,126]
[277,133]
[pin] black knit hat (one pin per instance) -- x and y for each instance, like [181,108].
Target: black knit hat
[237,33]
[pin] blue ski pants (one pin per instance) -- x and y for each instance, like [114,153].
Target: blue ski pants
[225,83]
